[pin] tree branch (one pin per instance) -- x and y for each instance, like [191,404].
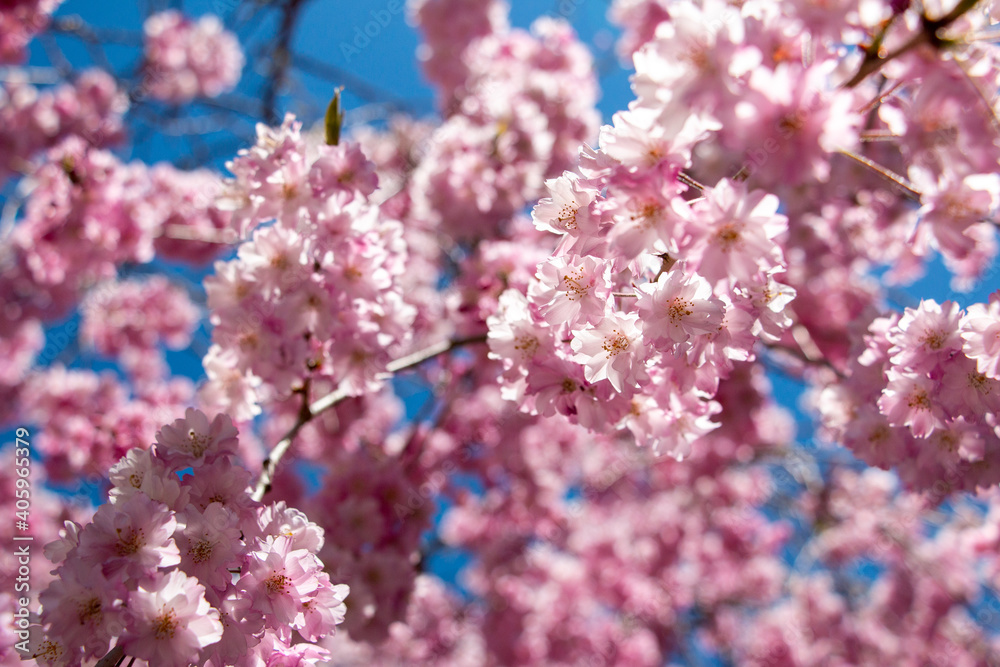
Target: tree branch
[281,59]
[114,656]
[321,405]
[930,30]
[899,180]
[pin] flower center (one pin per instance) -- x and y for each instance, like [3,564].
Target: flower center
[277,583]
[201,551]
[89,610]
[129,543]
[979,382]
[526,345]
[647,215]
[567,215]
[728,237]
[573,287]
[616,343]
[934,339]
[919,400]
[165,624]
[198,443]
[678,309]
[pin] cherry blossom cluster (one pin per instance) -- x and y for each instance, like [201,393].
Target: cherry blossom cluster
[185,59]
[19,347]
[84,217]
[130,319]
[586,548]
[646,303]
[378,555]
[567,578]
[182,566]
[922,395]
[315,297]
[376,492]
[88,214]
[448,28]
[194,229]
[48,512]
[20,21]
[93,419]
[437,630]
[738,98]
[926,605]
[895,158]
[525,106]
[90,107]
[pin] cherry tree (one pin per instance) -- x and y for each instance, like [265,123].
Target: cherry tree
[505,384]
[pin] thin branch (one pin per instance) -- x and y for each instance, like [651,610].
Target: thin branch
[310,411]
[281,59]
[878,135]
[185,233]
[871,106]
[114,656]
[238,104]
[799,355]
[33,75]
[55,55]
[76,26]
[687,180]
[885,172]
[930,33]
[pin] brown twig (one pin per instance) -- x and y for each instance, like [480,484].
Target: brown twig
[885,172]
[114,656]
[311,410]
[930,34]
[281,60]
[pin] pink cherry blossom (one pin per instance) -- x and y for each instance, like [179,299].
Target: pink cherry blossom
[733,234]
[195,439]
[280,580]
[123,316]
[613,350]
[86,605]
[568,209]
[186,59]
[925,334]
[171,620]
[573,289]
[981,335]
[20,20]
[132,539]
[679,305]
